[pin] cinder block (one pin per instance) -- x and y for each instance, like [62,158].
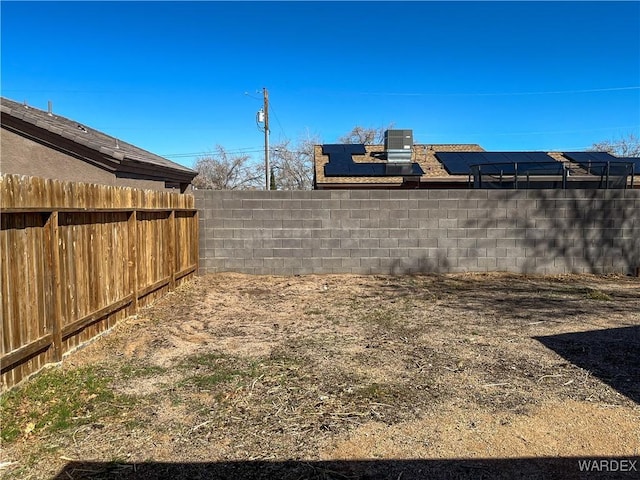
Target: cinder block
[428,223]
[369,242]
[272,243]
[370,263]
[437,233]
[481,213]
[330,243]
[289,224]
[476,233]
[486,243]
[496,252]
[340,194]
[272,263]
[380,233]
[460,214]
[408,242]
[417,253]
[231,204]
[332,262]
[262,214]
[477,252]
[291,243]
[380,252]
[349,243]
[505,242]
[311,204]
[350,204]
[379,194]
[261,253]
[448,223]
[350,262]
[224,233]
[388,242]
[359,214]
[299,214]
[408,223]
[469,264]
[342,214]
[311,224]
[428,205]
[358,233]
[293,263]
[234,263]
[398,233]
[389,223]
[369,223]
[438,214]
[456,233]
[339,233]
[233,243]
[398,194]
[438,194]
[359,252]
[467,243]
[427,242]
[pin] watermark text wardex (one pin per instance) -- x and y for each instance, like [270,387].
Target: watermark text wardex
[604,465]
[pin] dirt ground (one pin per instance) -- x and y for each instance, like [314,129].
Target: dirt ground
[348,376]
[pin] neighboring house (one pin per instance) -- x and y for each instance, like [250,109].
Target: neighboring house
[44,144]
[411,166]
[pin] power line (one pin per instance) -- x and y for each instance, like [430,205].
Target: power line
[498,94]
[278,120]
[193,154]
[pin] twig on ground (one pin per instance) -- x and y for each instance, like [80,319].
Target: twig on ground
[550,376]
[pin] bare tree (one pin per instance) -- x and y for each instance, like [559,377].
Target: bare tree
[222,171]
[624,147]
[368,136]
[293,163]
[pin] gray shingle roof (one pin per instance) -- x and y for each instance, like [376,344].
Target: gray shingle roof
[79,133]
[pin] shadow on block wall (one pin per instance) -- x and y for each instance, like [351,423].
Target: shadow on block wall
[566,468]
[612,355]
[597,231]
[423,264]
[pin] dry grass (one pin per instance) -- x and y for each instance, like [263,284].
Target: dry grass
[298,370]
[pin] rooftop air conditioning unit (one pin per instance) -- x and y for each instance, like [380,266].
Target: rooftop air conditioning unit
[398,145]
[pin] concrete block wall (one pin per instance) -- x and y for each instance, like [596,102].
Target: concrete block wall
[414,231]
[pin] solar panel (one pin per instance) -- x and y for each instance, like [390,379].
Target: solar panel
[603,163]
[341,163]
[496,163]
[585,157]
[340,160]
[634,160]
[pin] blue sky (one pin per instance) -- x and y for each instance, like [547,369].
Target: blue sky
[171,77]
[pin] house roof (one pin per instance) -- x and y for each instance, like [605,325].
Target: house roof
[125,156]
[423,155]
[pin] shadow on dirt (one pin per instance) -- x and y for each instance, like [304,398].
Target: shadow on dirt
[512,468]
[522,299]
[612,355]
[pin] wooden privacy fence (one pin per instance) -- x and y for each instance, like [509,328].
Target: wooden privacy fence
[76,258]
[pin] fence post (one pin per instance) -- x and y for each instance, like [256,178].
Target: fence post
[132,227]
[172,249]
[56,286]
[195,239]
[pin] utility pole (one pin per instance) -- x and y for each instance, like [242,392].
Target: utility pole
[267,171]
